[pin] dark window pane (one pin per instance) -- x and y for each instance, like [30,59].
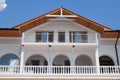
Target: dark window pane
[38,36]
[35,62]
[84,38]
[71,37]
[67,63]
[50,37]
[61,37]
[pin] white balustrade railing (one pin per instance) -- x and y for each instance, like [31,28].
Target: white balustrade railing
[9,69]
[47,38]
[109,69]
[60,70]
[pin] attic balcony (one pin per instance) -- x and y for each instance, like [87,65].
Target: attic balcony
[62,39]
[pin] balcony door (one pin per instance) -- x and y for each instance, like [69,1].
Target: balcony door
[78,37]
[61,37]
[44,36]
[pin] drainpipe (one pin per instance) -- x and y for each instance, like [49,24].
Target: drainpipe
[116,50]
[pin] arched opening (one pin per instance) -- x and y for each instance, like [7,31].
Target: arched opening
[61,60]
[106,61]
[9,59]
[83,60]
[37,60]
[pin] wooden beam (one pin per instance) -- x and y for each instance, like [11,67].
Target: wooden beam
[61,16]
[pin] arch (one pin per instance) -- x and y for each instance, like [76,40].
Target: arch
[61,60]
[9,59]
[106,61]
[83,60]
[37,60]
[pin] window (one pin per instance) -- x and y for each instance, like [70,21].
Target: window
[44,36]
[61,36]
[67,63]
[35,62]
[45,62]
[50,37]
[78,37]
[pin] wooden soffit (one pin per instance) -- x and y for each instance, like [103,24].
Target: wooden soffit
[110,35]
[10,33]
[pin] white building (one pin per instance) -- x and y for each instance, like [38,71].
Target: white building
[59,45]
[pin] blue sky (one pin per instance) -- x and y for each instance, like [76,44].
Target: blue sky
[106,12]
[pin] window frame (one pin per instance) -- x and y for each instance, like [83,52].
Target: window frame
[78,37]
[44,38]
[61,38]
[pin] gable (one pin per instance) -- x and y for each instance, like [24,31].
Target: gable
[61,12]
[60,25]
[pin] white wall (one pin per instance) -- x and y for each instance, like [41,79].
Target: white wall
[56,26]
[52,52]
[107,47]
[13,45]
[10,46]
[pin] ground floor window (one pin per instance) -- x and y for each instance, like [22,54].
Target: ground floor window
[37,60]
[9,59]
[83,60]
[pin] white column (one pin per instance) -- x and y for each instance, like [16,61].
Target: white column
[55,37]
[22,60]
[97,55]
[67,37]
[97,60]
[23,37]
[49,70]
[72,60]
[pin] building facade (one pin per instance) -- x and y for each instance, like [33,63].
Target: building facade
[59,45]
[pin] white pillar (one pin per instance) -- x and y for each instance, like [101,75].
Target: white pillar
[49,70]
[67,37]
[97,55]
[50,60]
[23,37]
[22,60]
[72,60]
[55,37]
[97,60]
